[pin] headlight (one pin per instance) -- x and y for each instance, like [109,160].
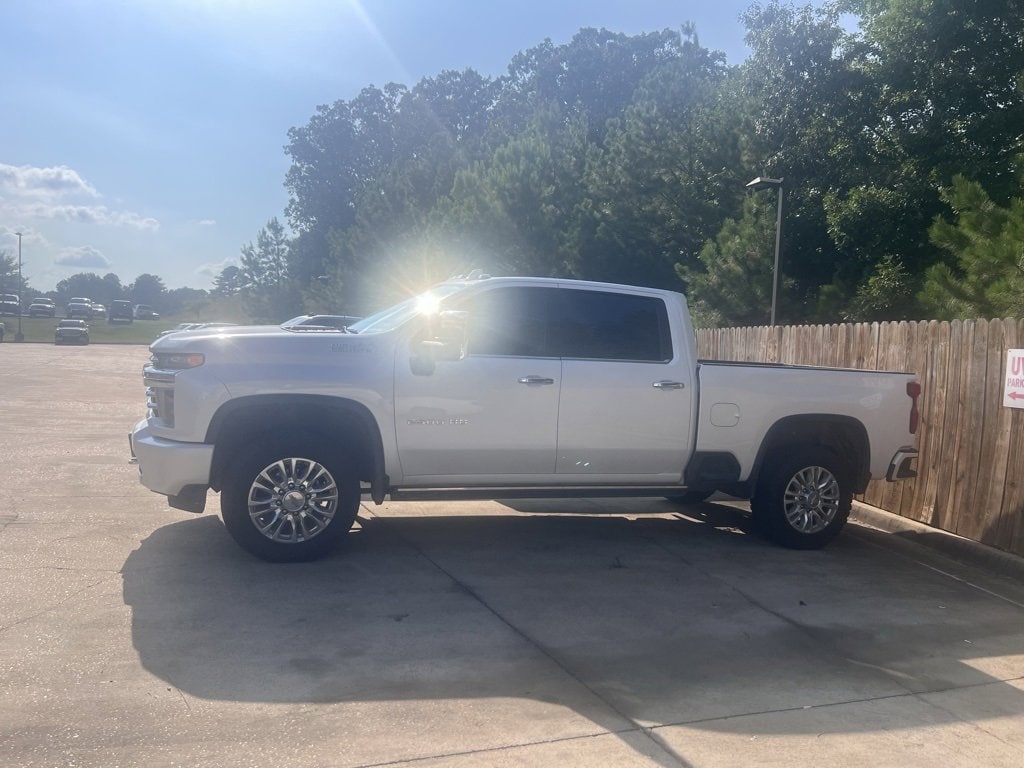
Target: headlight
[176,361]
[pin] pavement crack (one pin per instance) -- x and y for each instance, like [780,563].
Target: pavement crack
[50,608]
[502,748]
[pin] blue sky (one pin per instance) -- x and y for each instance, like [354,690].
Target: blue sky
[147,135]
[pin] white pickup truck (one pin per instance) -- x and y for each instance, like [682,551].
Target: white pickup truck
[502,388]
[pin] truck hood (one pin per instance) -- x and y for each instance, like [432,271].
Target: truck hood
[273,344]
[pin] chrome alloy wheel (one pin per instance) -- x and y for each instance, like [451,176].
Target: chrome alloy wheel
[811,500]
[293,500]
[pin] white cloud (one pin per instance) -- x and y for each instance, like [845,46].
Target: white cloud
[82,257]
[205,223]
[212,270]
[82,214]
[26,180]
[27,192]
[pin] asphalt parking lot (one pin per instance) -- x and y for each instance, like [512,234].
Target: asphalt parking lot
[569,633]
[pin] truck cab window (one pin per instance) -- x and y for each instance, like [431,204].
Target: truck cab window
[610,326]
[509,321]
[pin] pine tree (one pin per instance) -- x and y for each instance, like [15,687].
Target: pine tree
[984,276]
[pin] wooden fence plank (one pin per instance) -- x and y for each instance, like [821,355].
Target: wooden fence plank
[969,429]
[935,386]
[1010,530]
[919,360]
[996,442]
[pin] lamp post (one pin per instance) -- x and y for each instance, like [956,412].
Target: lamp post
[763,182]
[19,336]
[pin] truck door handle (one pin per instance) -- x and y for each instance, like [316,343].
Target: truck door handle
[535,380]
[666,384]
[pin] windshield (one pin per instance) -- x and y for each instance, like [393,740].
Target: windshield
[425,303]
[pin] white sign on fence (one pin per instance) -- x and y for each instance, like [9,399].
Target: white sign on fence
[1013,382]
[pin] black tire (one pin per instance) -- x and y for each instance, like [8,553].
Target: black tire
[803,499]
[300,523]
[691,497]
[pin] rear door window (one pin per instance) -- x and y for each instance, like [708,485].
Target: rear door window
[595,325]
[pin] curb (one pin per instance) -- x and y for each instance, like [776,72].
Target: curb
[957,547]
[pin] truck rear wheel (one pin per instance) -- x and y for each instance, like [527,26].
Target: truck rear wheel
[290,501]
[803,499]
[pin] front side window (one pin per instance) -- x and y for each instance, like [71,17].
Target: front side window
[595,325]
[509,321]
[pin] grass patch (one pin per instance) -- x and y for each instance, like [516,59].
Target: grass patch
[40,329]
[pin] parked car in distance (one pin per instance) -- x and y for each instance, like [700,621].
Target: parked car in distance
[120,311]
[145,312]
[10,304]
[78,307]
[71,332]
[321,321]
[42,307]
[98,310]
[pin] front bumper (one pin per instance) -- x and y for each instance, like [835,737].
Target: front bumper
[170,466]
[900,466]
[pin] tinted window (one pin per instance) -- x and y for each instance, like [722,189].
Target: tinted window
[610,326]
[509,321]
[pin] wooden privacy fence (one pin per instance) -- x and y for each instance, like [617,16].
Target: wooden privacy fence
[971,468]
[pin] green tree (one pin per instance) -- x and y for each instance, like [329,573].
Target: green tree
[182,299]
[228,281]
[84,284]
[805,103]
[268,294]
[950,98]
[112,289]
[8,273]
[594,77]
[667,173]
[149,289]
[734,285]
[943,80]
[518,212]
[984,273]
[370,169]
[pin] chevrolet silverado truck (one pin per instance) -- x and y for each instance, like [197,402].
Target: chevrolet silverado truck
[503,388]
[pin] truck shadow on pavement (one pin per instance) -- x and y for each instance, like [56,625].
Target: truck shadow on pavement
[676,620]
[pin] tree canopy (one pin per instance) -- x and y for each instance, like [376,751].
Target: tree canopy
[624,157]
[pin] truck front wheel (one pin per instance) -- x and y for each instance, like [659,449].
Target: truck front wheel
[289,502]
[803,499]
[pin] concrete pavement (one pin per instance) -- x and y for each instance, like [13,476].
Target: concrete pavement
[529,633]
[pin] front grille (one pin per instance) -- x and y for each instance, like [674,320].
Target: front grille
[159,394]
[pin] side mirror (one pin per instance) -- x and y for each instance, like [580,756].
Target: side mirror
[445,342]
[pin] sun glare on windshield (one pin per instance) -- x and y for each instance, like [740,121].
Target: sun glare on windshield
[428,304]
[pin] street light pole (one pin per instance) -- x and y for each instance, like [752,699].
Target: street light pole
[763,182]
[19,336]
